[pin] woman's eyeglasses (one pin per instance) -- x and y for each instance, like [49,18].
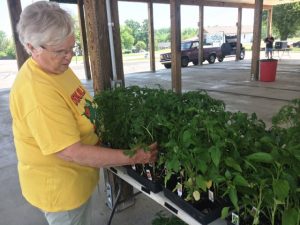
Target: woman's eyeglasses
[59,53]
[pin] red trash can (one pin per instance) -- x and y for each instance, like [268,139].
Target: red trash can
[267,69]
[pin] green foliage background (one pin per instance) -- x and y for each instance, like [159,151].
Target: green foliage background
[286,20]
[7,48]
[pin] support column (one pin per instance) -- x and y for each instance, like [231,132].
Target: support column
[238,35]
[151,36]
[98,44]
[256,40]
[200,35]
[176,45]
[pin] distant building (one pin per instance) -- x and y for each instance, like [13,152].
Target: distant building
[215,35]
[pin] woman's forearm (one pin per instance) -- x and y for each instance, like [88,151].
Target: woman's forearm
[96,156]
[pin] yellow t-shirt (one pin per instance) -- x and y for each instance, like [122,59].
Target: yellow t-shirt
[49,115]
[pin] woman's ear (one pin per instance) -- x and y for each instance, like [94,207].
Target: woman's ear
[30,48]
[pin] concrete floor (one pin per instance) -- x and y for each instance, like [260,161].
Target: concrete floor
[228,81]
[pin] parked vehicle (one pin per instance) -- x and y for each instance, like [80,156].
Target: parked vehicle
[296,44]
[189,53]
[229,49]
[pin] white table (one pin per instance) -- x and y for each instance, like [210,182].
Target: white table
[160,198]
[284,51]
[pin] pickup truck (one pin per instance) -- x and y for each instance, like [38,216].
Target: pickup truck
[189,53]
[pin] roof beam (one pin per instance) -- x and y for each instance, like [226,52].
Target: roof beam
[203,2]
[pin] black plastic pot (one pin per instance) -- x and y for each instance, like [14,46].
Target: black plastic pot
[149,181]
[204,211]
[248,220]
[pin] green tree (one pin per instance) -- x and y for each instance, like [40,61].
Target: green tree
[264,24]
[3,41]
[7,48]
[189,33]
[286,19]
[10,50]
[163,35]
[77,36]
[140,45]
[127,38]
[139,31]
[135,28]
[143,33]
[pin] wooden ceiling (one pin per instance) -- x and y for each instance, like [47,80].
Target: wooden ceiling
[246,3]
[266,2]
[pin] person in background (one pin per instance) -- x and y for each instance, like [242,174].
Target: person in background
[58,151]
[269,46]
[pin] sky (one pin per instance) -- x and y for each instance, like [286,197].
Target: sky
[213,16]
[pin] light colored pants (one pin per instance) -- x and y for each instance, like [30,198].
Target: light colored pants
[269,52]
[78,216]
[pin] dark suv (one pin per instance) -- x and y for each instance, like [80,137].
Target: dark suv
[229,49]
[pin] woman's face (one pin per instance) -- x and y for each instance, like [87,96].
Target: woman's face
[55,58]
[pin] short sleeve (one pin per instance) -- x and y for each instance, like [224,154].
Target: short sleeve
[53,126]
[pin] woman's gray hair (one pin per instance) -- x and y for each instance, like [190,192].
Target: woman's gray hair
[44,23]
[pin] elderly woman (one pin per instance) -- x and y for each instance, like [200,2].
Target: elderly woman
[57,150]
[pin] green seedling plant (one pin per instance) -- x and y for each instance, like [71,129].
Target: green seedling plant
[208,148]
[286,186]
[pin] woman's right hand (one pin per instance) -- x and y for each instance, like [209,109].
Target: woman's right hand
[142,156]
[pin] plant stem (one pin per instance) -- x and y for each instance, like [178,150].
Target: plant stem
[257,211]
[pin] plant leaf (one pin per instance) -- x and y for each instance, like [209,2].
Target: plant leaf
[233,197]
[201,182]
[240,181]
[281,189]
[290,217]
[215,155]
[260,157]
[209,184]
[196,195]
[230,162]
[187,136]
[173,164]
[225,212]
